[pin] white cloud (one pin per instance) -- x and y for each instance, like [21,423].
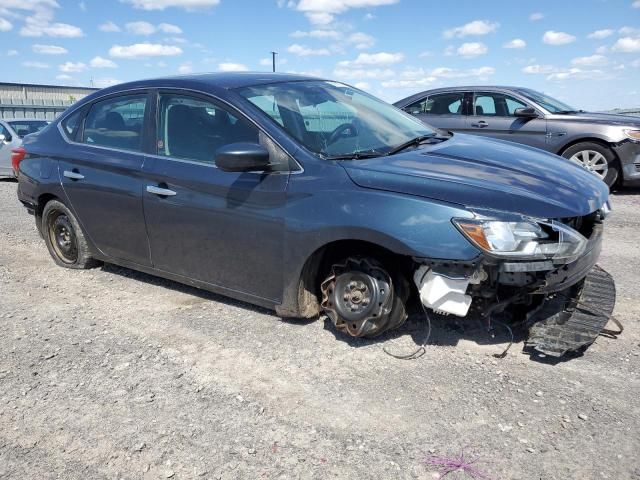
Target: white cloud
[35,65]
[105,82]
[626,31]
[477,27]
[64,76]
[163,4]
[99,62]
[600,34]
[636,4]
[557,38]
[37,28]
[141,50]
[590,61]
[627,45]
[109,27]
[535,16]
[82,6]
[575,73]
[361,73]
[232,67]
[304,51]
[420,78]
[320,33]
[5,25]
[472,49]
[12,53]
[361,40]
[38,21]
[601,50]
[322,12]
[380,59]
[170,28]
[536,69]
[71,67]
[49,49]
[140,28]
[515,43]
[362,85]
[185,68]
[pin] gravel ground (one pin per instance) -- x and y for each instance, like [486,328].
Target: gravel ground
[110,373]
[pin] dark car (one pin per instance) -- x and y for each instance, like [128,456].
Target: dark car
[606,144]
[308,196]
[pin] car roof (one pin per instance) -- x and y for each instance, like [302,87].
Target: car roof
[463,88]
[222,80]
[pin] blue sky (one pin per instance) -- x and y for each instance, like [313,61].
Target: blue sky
[585,52]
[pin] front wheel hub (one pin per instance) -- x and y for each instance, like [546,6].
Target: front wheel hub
[358,297]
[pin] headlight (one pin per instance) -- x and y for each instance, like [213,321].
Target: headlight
[526,239]
[633,134]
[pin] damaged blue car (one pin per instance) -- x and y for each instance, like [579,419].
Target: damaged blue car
[309,196]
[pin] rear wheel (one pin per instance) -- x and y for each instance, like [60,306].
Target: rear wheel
[595,158]
[362,299]
[64,237]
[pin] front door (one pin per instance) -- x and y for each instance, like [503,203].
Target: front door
[441,110]
[493,116]
[222,228]
[101,175]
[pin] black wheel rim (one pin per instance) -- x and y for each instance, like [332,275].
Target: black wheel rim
[63,237]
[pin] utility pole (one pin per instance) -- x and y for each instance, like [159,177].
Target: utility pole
[273,59]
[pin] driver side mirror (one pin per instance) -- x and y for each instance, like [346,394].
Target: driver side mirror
[525,112]
[2,138]
[242,157]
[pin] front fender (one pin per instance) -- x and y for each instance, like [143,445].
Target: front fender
[325,206]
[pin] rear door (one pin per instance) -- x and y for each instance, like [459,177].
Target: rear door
[493,115]
[222,228]
[101,174]
[442,110]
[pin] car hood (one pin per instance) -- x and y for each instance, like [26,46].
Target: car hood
[599,118]
[486,174]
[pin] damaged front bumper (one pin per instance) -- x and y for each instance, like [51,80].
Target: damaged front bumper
[567,305]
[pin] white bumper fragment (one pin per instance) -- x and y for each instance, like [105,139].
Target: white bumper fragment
[442,294]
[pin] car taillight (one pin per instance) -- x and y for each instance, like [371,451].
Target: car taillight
[17,155]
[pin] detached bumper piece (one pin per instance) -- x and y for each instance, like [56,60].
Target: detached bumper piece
[571,320]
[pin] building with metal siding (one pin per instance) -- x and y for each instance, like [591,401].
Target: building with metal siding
[24,100]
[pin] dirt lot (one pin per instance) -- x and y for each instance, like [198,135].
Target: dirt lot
[110,373]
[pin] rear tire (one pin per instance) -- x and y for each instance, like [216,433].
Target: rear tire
[64,237]
[596,158]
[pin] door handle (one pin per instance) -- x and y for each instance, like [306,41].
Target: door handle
[163,192]
[480,124]
[73,175]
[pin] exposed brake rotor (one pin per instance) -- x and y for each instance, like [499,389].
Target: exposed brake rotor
[358,297]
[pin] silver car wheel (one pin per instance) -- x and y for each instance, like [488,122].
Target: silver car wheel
[592,161]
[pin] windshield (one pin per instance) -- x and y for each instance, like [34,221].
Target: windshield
[547,102]
[25,127]
[332,119]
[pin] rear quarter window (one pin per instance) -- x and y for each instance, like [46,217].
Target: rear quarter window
[71,124]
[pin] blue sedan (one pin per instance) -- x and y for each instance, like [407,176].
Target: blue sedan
[309,196]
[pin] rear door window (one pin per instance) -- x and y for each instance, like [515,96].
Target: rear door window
[116,123]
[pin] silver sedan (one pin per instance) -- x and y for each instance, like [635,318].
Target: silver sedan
[12,131]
